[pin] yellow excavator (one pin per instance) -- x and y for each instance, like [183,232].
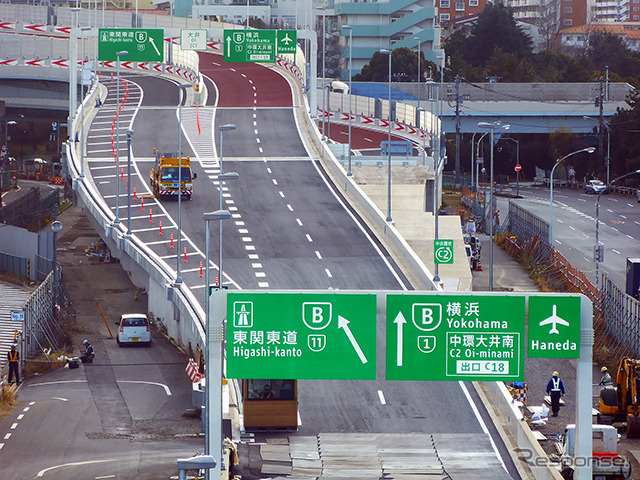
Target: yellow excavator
[622,402]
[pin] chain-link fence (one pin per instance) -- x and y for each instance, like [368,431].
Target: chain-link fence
[619,325]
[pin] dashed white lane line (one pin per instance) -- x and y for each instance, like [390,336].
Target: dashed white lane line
[263,284]
[256,131]
[260,149]
[281,193]
[629,205]
[239,223]
[243,231]
[558,242]
[571,228]
[253,256]
[246,239]
[299,221]
[275,182]
[328,272]
[585,235]
[581,200]
[560,221]
[7,436]
[615,251]
[290,207]
[318,255]
[309,237]
[381,397]
[14,426]
[20,417]
[257,140]
[268,170]
[622,216]
[26,409]
[256,265]
[260,274]
[609,210]
[250,248]
[615,229]
[629,236]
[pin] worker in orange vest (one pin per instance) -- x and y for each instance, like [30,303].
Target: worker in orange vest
[14,363]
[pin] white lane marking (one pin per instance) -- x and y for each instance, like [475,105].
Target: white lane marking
[55,383]
[629,236]
[243,231]
[167,390]
[585,235]
[253,256]
[290,207]
[299,221]
[582,200]
[260,275]
[42,473]
[622,216]
[558,242]
[629,205]
[615,251]
[263,284]
[482,424]
[14,426]
[381,397]
[328,272]
[255,124]
[20,417]
[105,476]
[239,223]
[281,193]
[587,259]
[257,140]
[256,131]
[275,182]
[32,403]
[260,149]
[26,409]
[256,265]
[571,228]
[309,237]
[609,210]
[7,436]
[560,221]
[318,255]
[246,239]
[636,222]
[615,229]
[1,445]
[268,170]
[250,248]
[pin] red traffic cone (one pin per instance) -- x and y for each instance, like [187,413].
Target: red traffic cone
[479,269]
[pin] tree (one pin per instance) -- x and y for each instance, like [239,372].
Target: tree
[625,131]
[404,67]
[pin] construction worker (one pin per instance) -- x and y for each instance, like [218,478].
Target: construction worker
[88,353]
[14,363]
[606,378]
[555,388]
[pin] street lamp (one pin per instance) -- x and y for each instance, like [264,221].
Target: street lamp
[388,52]
[6,132]
[222,177]
[418,95]
[350,28]
[82,141]
[56,227]
[181,88]
[327,112]
[492,126]
[129,135]
[324,115]
[122,53]
[597,252]
[607,125]
[420,111]
[517,163]
[433,96]
[588,150]
[216,384]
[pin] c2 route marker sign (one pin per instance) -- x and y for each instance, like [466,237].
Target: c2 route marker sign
[455,337]
[443,251]
[142,45]
[246,46]
[301,335]
[554,327]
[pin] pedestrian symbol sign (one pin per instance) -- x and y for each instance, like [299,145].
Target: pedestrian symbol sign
[304,336]
[455,337]
[443,251]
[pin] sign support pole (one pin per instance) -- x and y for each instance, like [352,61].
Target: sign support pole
[584,380]
[216,344]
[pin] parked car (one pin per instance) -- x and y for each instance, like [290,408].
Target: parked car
[134,328]
[595,186]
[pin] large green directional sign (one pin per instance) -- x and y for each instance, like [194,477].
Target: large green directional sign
[455,337]
[554,327]
[141,45]
[247,46]
[301,335]
[287,41]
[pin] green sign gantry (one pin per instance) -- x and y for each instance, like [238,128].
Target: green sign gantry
[455,337]
[443,251]
[246,46]
[301,335]
[141,45]
[554,327]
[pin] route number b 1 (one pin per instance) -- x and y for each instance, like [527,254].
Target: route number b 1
[427,316]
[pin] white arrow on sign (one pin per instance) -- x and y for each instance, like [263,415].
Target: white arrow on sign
[400,321]
[153,44]
[344,324]
[228,46]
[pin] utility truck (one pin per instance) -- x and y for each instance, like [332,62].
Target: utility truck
[165,175]
[607,463]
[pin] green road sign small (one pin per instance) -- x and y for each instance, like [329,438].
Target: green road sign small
[455,337]
[287,41]
[246,46]
[443,251]
[193,39]
[301,335]
[554,326]
[141,45]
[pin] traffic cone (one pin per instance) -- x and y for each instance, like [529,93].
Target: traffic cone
[160,232]
[479,269]
[134,193]
[200,268]
[142,204]
[171,240]
[185,254]
[150,214]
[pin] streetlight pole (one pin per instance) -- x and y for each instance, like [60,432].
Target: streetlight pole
[122,53]
[389,219]
[517,163]
[350,28]
[479,144]
[181,88]
[214,359]
[597,251]
[587,150]
[221,177]
[418,95]
[56,227]
[129,135]
[492,126]
[433,97]
[607,125]
[82,142]
[324,115]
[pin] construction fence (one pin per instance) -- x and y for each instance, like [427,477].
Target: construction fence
[616,315]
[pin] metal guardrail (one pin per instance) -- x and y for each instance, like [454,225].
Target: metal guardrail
[15,265]
[620,322]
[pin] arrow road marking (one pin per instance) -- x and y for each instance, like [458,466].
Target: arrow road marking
[344,324]
[153,44]
[400,321]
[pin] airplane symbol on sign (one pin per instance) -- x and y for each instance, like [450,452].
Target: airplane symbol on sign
[286,39]
[554,320]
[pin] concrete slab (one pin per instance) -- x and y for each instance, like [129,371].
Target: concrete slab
[275,469]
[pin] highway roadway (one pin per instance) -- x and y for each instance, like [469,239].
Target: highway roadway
[289,230]
[574,227]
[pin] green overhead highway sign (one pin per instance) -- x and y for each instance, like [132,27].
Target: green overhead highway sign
[455,337]
[554,327]
[142,45]
[246,46]
[287,41]
[301,335]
